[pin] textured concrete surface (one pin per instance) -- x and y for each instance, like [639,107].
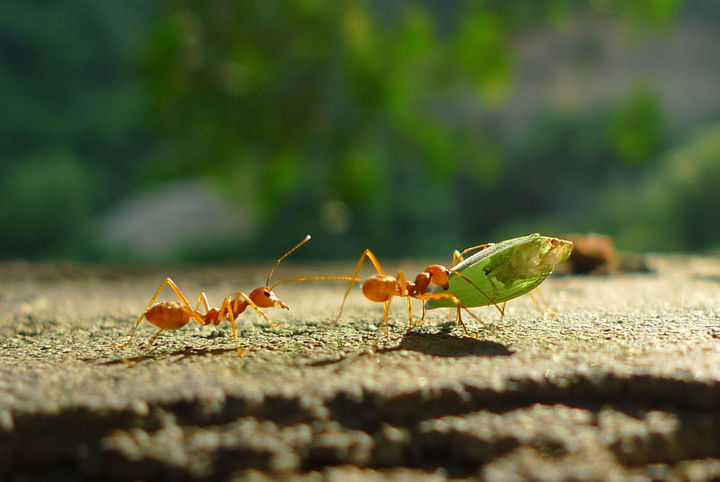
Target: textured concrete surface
[623,383]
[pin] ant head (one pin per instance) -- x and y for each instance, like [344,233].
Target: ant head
[265,298]
[438,275]
[422,281]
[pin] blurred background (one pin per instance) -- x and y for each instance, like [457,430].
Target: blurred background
[175,131]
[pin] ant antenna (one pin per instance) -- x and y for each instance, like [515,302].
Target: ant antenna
[308,278]
[307,238]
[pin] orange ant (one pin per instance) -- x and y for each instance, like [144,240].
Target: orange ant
[171,315]
[382,287]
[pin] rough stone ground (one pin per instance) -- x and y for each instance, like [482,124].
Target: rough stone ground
[623,383]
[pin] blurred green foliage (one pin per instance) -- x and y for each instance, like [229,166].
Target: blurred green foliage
[675,206]
[71,126]
[296,106]
[366,123]
[46,205]
[635,129]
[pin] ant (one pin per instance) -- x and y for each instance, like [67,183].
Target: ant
[382,287]
[171,315]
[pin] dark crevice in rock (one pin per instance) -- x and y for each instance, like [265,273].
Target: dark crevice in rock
[371,429]
[696,437]
[279,409]
[369,410]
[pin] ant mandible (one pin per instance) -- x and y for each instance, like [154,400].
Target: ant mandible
[171,315]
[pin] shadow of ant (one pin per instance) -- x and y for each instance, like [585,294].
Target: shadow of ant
[433,344]
[447,345]
[177,355]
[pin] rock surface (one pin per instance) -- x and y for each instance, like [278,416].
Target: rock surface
[623,382]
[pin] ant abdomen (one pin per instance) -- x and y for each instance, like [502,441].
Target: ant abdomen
[168,315]
[380,287]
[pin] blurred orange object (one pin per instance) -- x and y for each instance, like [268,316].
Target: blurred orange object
[593,254]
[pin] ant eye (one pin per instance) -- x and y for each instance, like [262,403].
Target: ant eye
[266,293]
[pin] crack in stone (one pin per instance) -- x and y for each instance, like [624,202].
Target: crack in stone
[639,420]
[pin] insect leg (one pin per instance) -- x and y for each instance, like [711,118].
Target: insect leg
[385,318]
[169,282]
[441,295]
[202,300]
[422,317]
[227,312]
[193,314]
[401,283]
[155,337]
[410,317]
[460,322]
[459,256]
[551,311]
[371,256]
[132,333]
[490,300]
[174,287]
[386,304]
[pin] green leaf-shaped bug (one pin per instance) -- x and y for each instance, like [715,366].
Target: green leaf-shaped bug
[503,271]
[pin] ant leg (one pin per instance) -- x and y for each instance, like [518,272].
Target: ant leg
[371,256]
[460,322]
[174,287]
[402,283]
[132,334]
[410,317]
[386,304]
[441,295]
[202,300]
[422,318]
[169,282]
[152,340]
[227,312]
[385,318]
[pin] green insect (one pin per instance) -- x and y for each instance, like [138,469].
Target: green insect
[503,271]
